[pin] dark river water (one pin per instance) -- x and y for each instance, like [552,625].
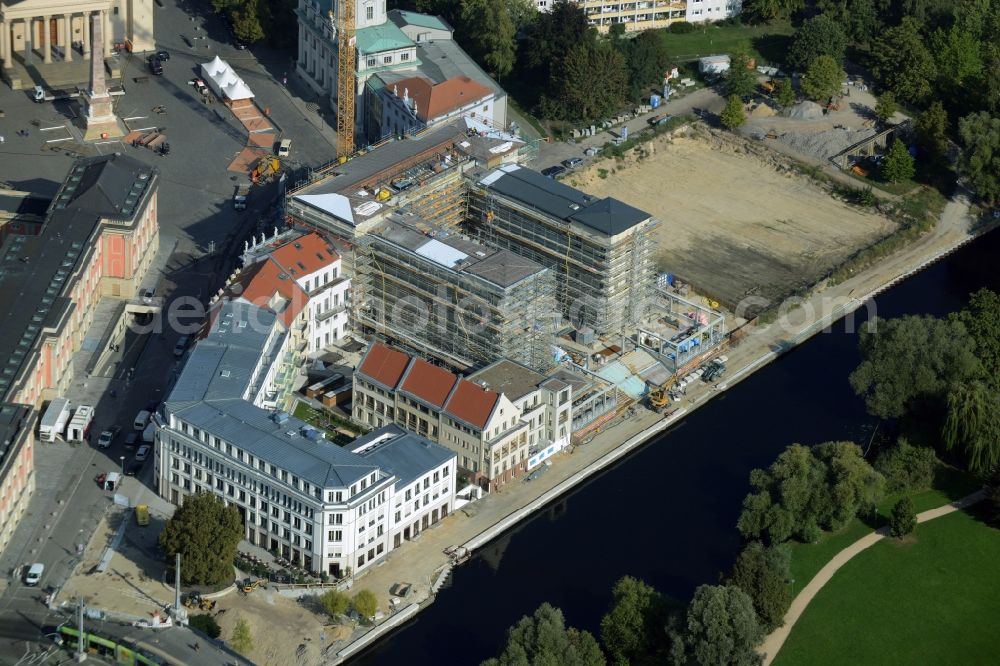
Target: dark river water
[667,512]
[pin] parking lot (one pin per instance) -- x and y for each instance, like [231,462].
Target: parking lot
[198,226]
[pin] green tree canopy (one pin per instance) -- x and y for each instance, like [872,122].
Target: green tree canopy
[818,36]
[823,79]
[365,603]
[733,115]
[632,630]
[206,533]
[973,425]
[763,573]
[903,518]
[548,39]
[741,79]
[958,57]
[241,639]
[335,602]
[246,21]
[898,164]
[766,11]
[980,158]
[722,627]
[784,92]
[908,359]
[886,106]
[489,30]
[575,95]
[931,130]
[907,468]
[981,318]
[903,63]
[647,60]
[543,639]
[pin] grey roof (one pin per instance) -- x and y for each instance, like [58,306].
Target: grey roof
[37,272]
[508,377]
[502,268]
[402,453]
[14,202]
[443,59]
[608,216]
[15,426]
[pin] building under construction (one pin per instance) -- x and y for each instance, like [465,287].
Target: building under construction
[431,290]
[602,250]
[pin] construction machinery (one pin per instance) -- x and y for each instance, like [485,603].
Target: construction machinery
[345,77]
[195,600]
[249,585]
[266,169]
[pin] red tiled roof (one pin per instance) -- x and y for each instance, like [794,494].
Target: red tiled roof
[428,382]
[383,364]
[259,283]
[471,403]
[305,255]
[434,101]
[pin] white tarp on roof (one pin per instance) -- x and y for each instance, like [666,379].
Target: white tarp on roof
[440,253]
[221,78]
[335,204]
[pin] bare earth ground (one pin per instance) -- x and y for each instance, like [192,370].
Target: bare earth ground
[734,221]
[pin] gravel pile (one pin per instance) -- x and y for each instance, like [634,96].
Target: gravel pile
[825,144]
[806,111]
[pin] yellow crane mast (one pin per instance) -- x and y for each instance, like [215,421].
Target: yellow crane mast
[345,77]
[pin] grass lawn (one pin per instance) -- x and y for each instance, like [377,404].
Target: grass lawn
[328,422]
[929,600]
[766,42]
[809,558]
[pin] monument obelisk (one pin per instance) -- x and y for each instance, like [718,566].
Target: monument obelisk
[101,121]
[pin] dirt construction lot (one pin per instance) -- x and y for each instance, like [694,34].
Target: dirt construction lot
[734,219]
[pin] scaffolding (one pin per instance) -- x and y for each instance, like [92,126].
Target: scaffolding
[695,333]
[449,313]
[604,282]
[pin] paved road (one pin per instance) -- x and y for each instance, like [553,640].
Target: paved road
[772,644]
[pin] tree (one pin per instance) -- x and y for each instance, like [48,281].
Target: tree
[206,624]
[981,318]
[490,29]
[973,425]
[898,164]
[784,92]
[886,106]
[246,21]
[206,532]
[631,629]
[903,518]
[722,627]
[957,55]
[907,468]
[980,159]
[733,115]
[819,36]
[335,603]
[850,485]
[646,60]
[902,63]
[823,78]
[741,79]
[931,129]
[576,96]
[547,41]
[910,359]
[366,604]
[766,11]
[863,21]
[544,639]
[241,640]
[763,573]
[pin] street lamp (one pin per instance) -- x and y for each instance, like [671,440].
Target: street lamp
[122,458]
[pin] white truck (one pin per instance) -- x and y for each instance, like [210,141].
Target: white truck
[53,423]
[40,95]
[241,195]
[149,434]
[79,426]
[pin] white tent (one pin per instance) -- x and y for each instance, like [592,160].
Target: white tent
[221,78]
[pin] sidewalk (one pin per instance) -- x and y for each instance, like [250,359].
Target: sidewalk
[772,644]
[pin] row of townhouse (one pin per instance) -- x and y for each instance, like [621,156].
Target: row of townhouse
[495,436]
[650,14]
[328,508]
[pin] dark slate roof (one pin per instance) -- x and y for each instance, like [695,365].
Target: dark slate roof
[402,453]
[23,203]
[549,196]
[15,427]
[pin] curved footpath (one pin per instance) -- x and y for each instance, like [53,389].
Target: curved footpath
[772,644]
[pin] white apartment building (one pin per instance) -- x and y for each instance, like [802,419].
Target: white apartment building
[496,438]
[309,261]
[650,14]
[327,508]
[700,11]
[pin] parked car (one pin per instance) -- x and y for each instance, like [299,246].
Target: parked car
[572,162]
[142,453]
[284,147]
[107,437]
[162,56]
[553,171]
[156,66]
[131,439]
[179,349]
[147,295]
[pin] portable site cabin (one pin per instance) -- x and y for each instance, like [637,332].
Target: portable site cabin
[53,423]
[79,427]
[713,65]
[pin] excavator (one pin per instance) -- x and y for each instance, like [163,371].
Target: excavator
[266,169]
[659,398]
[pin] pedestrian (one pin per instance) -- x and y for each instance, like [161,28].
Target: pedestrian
[2,139]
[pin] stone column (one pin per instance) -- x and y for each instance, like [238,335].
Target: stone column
[46,40]
[108,39]
[68,32]
[86,35]
[5,37]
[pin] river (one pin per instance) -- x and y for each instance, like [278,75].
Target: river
[667,512]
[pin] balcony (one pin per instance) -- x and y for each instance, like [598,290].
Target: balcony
[332,312]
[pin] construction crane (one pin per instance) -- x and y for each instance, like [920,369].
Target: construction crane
[345,78]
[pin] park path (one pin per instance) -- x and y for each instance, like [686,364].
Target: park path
[772,644]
